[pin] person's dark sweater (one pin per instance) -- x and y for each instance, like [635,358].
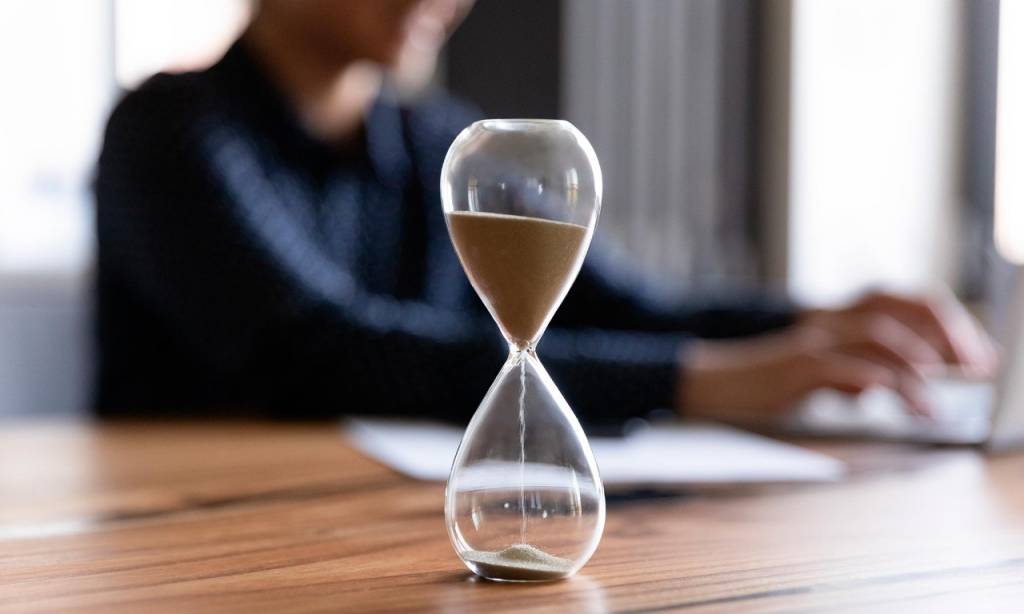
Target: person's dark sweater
[245,267]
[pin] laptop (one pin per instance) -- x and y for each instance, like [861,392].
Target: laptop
[967,412]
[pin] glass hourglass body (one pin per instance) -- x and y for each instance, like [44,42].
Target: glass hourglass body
[524,501]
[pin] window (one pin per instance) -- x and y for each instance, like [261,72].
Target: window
[876,159]
[1010,133]
[63,63]
[172,35]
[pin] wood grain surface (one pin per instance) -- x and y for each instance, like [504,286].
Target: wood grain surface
[278,518]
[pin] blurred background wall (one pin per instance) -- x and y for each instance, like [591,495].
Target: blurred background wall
[816,147]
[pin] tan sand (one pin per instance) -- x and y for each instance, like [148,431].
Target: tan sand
[521,266]
[521,562]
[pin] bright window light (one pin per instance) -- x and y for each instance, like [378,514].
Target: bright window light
[1009,215]
[173,35]
[55,62]
[874,175]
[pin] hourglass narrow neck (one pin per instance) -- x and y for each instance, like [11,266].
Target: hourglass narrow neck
[529,349]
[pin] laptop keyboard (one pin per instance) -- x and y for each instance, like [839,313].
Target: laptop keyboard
[961,413]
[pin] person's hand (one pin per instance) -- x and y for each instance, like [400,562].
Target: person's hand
[880,340]
[936,332]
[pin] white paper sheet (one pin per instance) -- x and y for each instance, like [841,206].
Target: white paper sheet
[660,455]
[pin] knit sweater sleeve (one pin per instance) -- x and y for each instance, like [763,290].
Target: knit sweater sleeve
[200,232]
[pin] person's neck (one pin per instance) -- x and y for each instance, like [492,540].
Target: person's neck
[330,98]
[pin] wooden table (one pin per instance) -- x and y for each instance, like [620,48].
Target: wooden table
[265,518]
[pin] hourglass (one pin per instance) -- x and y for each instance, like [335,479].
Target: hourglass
[524,501]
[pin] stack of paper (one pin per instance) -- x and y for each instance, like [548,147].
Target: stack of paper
[660,455]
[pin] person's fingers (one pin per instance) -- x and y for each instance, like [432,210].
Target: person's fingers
[944,323]
[937,320]
[988,349]
[886,339]
[849,374]
[967,333]
[923,317]
[912,391]
[852,375]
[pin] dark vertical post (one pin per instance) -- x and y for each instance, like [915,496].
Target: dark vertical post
[981,23]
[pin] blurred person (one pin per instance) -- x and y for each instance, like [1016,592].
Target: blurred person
[272,240]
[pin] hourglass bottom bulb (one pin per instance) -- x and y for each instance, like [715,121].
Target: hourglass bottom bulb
[518,563]
[524,501]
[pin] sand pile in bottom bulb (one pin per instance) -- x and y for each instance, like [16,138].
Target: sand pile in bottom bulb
[519,562]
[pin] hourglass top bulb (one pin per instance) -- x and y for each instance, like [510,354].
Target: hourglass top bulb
[521,267]
[521,198]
